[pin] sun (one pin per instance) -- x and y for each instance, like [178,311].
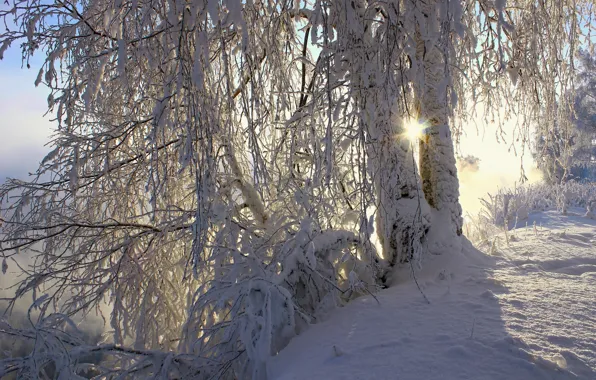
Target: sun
[414,130]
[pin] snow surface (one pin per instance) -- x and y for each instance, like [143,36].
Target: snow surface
[523,309]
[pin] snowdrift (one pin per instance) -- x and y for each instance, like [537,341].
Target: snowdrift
[522,306]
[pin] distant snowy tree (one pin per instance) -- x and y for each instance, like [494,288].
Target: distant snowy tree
[583,165]
[219,168]
[569,152]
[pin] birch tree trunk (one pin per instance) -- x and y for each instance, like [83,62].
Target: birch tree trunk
[437,157]
[402,214]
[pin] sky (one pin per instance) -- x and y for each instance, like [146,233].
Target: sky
[499,166]
[23,128]
[24,131]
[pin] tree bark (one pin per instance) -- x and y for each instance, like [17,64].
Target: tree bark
[403,215]
[437,157]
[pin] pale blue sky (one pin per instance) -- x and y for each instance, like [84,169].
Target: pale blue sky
[23,129]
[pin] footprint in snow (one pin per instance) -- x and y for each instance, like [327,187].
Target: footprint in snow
[489,295]
[457,351]
[442,337]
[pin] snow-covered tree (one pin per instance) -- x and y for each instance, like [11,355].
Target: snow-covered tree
[568,152]
[219,168]
[584,141]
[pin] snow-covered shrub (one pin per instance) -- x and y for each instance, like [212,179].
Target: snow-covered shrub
[479,229]
[265,292]
[508,208]
[46,345]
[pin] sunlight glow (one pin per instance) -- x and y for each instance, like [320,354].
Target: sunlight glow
[414,130]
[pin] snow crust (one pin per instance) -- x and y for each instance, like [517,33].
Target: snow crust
[521,307]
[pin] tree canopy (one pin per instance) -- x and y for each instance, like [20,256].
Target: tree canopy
[221,170]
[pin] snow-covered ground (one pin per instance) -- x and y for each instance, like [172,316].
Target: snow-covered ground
[523,309]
